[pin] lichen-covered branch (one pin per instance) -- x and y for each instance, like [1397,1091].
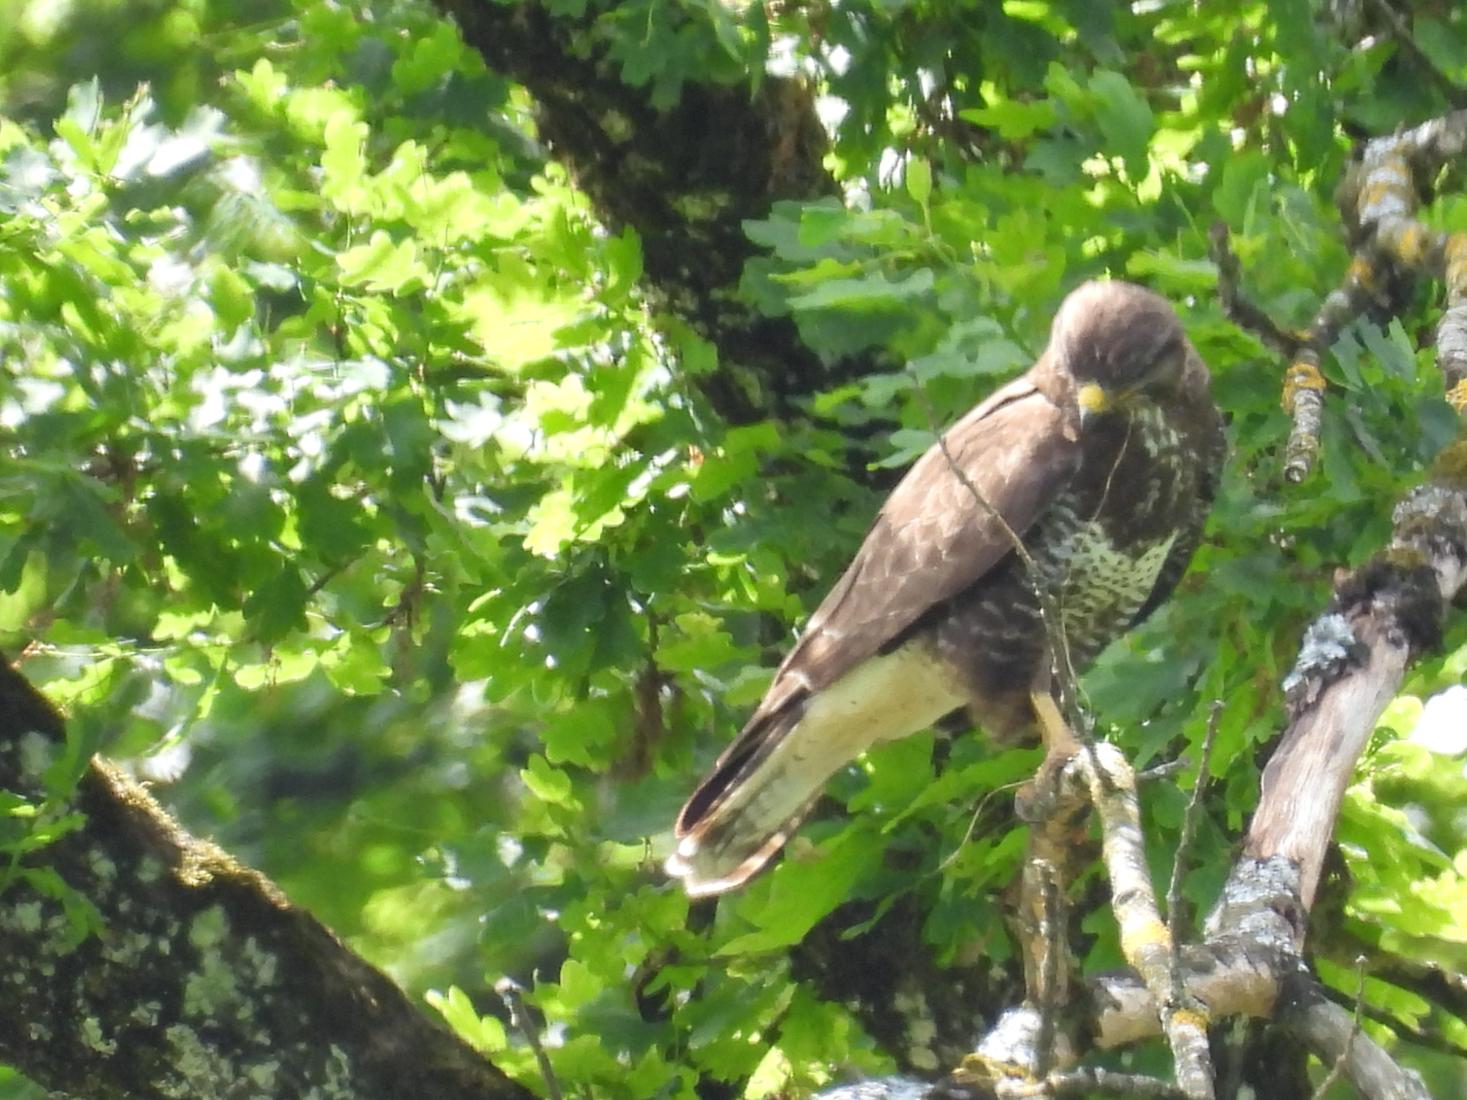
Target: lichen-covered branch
[1351,665]
[136,960]
[1233,975]
[1145,939]
[1392,250]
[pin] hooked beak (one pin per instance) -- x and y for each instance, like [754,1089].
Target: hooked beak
[1093,400]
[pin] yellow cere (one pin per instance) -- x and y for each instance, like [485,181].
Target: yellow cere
[1092,398]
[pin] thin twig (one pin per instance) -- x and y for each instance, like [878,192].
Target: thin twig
[512,994]
[1240,309]
[1338,1069]
[1164,770]
[1053,928]
[1420,60]
[973,819]
[1184,842]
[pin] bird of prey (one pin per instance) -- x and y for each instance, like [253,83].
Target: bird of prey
[1102,459]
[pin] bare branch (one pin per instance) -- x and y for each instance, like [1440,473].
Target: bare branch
[1337,1070]
[1240,309]
[1093,1081]
[1420,60]
[1331,1033]
[519,1018]
[1350,666]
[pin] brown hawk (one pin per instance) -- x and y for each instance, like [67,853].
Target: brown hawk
[1102,458]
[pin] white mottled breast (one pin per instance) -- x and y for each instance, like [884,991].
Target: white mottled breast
[1096,580]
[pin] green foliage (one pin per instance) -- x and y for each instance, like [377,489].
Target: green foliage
[355,495]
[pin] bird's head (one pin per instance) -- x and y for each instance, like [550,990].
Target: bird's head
[1119,344]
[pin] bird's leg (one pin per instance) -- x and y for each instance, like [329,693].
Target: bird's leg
[1055,806]
[1060,742]
[1036,799]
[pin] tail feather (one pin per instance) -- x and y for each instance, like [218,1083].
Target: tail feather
[742,756]
[765,783]
[748,806]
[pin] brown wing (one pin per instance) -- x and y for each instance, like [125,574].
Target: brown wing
[932,539]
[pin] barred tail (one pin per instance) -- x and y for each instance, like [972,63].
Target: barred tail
[747,807]
[765,783]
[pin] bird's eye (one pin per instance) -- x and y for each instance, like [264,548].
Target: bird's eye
[1164,367]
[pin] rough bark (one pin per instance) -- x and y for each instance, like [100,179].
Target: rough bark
[148,963]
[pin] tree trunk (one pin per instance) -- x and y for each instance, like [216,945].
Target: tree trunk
[139,961]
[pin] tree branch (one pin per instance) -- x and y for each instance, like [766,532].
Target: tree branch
[141,961]
[1350,666]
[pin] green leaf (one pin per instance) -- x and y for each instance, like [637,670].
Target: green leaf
[1172,272]
[278,607]
[871,291]
[546,783]
[485,1034]
[801,892]
[1125,120]
[1014,119]
[1243,176]
[383,265]
[919,181]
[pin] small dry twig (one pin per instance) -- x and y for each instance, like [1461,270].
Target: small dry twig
[512,994]
[1184,843]
[1420,60]
[1240,309]
[1337,1070]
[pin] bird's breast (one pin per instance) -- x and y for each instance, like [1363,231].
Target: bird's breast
[1101,547]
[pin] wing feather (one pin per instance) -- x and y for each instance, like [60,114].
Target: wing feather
[932,539]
